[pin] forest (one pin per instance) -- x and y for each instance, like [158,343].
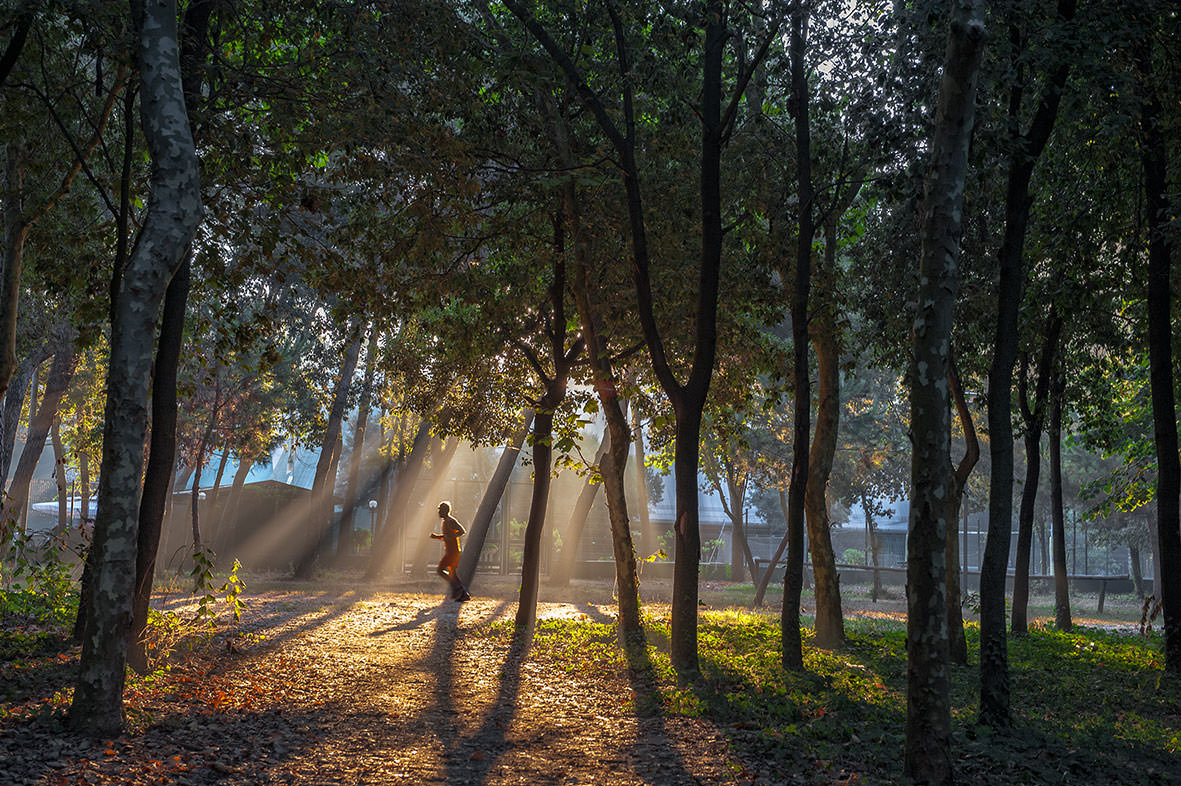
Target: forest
[860,315]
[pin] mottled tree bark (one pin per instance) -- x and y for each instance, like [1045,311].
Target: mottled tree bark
[174,211]
[161,458]
[928,710]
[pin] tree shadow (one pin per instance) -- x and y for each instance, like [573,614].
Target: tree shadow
[667,766]
[489,741]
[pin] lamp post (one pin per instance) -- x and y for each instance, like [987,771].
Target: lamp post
[372,519]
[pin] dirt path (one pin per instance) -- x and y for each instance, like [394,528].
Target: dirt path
[376,689]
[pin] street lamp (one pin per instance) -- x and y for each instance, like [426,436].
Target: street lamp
[373,517]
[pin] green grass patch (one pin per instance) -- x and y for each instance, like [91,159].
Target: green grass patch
[1089,707]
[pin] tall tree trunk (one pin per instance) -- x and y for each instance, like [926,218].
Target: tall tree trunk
[324,484]
[928,711]
[161,458]
[156,499]
[572,541]
[1062,619]
[174,211]
[543,430]
[612,469]
[195,489]
[994,658]
[344,542]
[1154,156]
[793,580]
[65,360]
[830,624]
[613,452]
[477,531]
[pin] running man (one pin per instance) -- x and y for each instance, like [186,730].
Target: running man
[449,565]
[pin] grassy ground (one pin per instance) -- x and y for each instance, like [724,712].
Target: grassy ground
[1089,707]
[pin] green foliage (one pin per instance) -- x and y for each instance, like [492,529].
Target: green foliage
[206,588]
[36,577]
[853,557]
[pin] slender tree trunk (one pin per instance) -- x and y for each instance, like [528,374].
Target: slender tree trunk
[1018,624]
[14,402]
[793,583]
[161,458]
[174,211]
[994,658]
[195,488]
[1062,619]
[572,541]
[1154,155]
[543,429]
[613,452]
[59,475]
[477,531]
[1133,559]
[84,487]
[765,578]
[830,624]
[928,711]
[344,542]
[612,469]
[1033,414]
[227,517]
[65,360]
[324,484]
[647,536]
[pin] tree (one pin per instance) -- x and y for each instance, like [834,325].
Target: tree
[174,211]
[1026,148]
[928,707]
[1161,250]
